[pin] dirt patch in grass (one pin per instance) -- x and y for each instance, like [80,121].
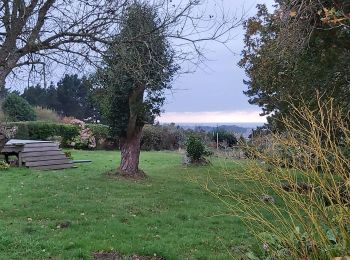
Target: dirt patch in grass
[118,256]
[64,224]
[116,174]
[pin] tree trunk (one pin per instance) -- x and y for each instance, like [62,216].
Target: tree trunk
[3,75]
[130,144]
[130,153]
[7,64]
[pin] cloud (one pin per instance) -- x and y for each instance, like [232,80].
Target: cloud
[212,117]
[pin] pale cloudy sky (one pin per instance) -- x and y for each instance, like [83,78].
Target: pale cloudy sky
[215,94]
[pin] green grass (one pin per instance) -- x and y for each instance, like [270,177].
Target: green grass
[167,214]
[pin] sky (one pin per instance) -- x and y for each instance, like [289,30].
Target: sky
[214,93]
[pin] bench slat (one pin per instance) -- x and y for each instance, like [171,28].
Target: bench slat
[53,167]
[48,162]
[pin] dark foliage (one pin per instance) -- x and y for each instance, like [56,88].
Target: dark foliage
[158,137]
[17,108]
[224,136]
[196,150]
[72,97]
[295,54]
[136,73]
[43,130]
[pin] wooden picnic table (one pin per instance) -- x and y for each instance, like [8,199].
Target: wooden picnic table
[37,154]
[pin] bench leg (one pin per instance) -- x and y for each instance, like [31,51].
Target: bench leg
[19,159]
[6,158]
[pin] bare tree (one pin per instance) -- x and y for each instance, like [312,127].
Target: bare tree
[71,32]
[34,32]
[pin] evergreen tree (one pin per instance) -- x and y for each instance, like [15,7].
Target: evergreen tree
[139,66]
[298,52]
[17,108]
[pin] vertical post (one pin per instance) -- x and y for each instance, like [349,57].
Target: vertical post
[19,159]
[217,141]
[217,138]
[7,158]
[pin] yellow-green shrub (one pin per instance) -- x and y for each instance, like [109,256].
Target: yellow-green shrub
[44,114]
[306,169]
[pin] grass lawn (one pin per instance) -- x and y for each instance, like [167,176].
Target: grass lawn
[72,213]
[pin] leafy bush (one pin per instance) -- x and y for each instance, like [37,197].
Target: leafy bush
[226,138]
[68,155]
[85,139]
[151,138]
[91,136]
[37,130]
[100,131]
[196,150]
[158,137]
[4,166]
[48,115]
[66,133]
[17,108]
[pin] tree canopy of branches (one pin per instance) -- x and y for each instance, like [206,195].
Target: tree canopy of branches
[35,36]
[298,52]
[36,33]
[139,66]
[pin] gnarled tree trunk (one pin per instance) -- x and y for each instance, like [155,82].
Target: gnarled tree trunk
[130,153]
[130,144]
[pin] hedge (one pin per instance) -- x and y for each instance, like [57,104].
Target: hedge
[104,139]
[100,131]
[42,130]
[36,130]
[153,137]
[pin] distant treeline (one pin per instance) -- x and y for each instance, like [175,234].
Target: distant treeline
[72,97]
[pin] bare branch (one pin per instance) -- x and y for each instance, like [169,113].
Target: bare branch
[62,32]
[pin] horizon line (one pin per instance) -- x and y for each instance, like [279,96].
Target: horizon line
[213,117]
[193,123]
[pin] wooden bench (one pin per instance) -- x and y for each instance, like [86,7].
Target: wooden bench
[41,155]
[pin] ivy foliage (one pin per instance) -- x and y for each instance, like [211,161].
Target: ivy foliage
[138,68]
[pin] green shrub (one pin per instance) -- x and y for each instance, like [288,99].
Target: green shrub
[158,137]
[68,155]
[4,166]
[17,108]
[103,137]
[225,137]
[196,150]
[37,130]
[151,138]
[99,131]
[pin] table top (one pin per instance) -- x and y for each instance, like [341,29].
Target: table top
[23,142]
